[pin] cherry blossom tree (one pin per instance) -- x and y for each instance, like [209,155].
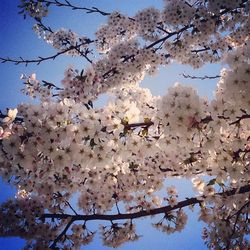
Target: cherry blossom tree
[119,156]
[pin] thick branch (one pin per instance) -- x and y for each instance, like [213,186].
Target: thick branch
[144,213]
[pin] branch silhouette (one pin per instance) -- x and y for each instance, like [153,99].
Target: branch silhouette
[200,77]
[140,214]
[74,7]
[41,59]
[96,10]
[144,213]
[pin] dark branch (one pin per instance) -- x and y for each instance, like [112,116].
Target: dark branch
[74,7]
[144,213]
[41,25]
[50,85]
[237,214]
[200,50]
[62,234]
[163,39]
[200,77]
[246,116]
[42,59]
[139,124]
[71,208]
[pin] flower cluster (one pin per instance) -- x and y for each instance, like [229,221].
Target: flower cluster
[177,13]
[234,85]
[83,87]
[115,70]
[215,6]
[68,41]
[172,222]
[80,236]
[18,218]
[118,28]
[182,110]
[34,8]
[227,223]
[172,200]
[117,234]
[35,89]
[147,21]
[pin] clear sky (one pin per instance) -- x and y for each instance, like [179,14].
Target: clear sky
[18,39]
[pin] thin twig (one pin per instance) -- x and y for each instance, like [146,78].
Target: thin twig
[74,7]
[200,77]
[71,207]
[235,223]
[53,246]
[42,59]
[50,85]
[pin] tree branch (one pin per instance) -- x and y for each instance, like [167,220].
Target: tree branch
[139,124]
[246,116]
[71,207]
[237,214]
[200,77]
[53,246]
[50,85]
[143,213]
[96,10]
[41,25]
[74,7]
[42,59]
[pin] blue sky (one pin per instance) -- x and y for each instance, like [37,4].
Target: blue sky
[17,39]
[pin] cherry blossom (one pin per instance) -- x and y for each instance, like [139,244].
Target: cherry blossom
[118,157]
